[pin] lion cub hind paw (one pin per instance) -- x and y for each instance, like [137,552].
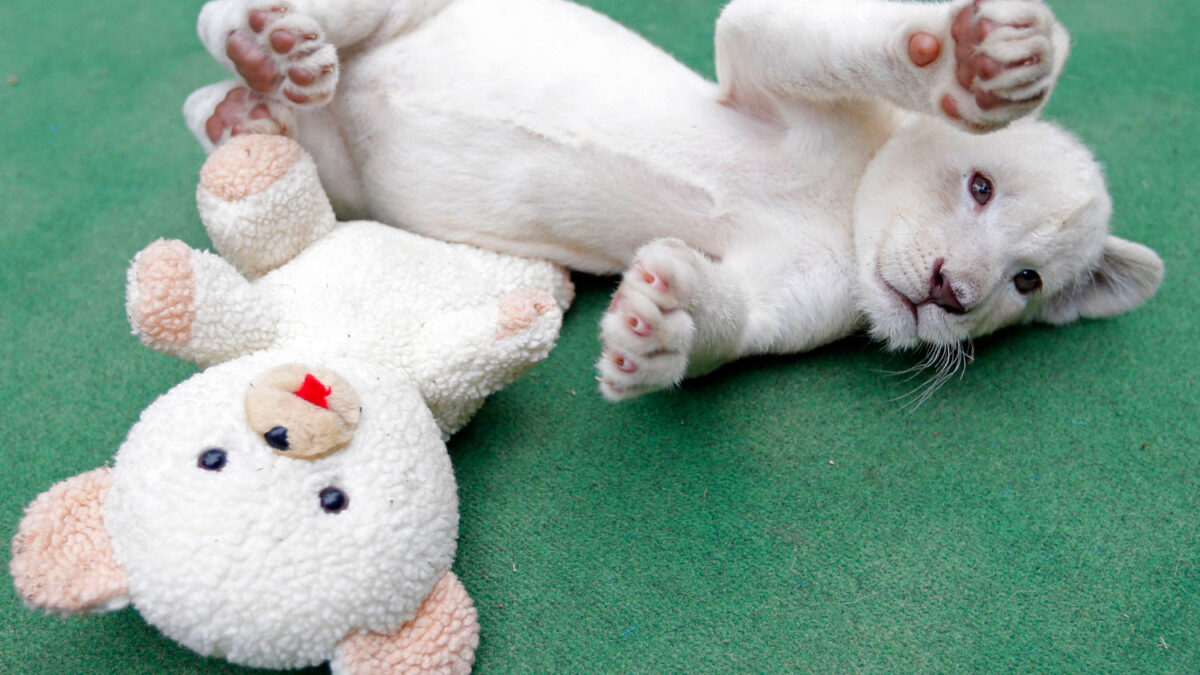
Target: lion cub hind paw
[1005,60]
[243,111]
[282,53]
[647,332]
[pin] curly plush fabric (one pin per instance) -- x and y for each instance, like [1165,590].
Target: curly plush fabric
[162,287]
[62,560]
[441,639]
[234,176]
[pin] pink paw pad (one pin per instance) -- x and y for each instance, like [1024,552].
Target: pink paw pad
[1000,61]
[923,49]
[253,63]
[284,54]
[242,112]
[259,18]
[164,310]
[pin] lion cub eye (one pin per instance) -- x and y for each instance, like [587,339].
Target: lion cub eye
[1027,281]
[981,188]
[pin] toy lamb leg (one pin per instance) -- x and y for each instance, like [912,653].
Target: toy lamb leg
[293,503]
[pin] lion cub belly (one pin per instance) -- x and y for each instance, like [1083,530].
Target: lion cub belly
[542,128]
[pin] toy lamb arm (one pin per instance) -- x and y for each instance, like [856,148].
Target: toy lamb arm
[981,64]
[195,306]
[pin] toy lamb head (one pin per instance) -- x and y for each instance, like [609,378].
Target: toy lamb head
[294,503]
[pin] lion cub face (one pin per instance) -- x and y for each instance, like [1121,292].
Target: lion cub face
[958,235]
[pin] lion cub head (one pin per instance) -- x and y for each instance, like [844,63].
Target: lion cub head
[958,235]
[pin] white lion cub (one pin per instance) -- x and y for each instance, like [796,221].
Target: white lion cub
[858,163]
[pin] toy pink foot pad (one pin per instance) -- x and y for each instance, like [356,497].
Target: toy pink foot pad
[248,165]
[442,638]
[62,560]
[164,309]
[519,309]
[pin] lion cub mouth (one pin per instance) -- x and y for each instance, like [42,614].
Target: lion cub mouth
[904,299]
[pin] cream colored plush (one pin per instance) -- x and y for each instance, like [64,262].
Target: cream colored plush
[858,165]
[293,502]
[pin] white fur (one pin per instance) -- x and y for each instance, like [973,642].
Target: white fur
[772,203]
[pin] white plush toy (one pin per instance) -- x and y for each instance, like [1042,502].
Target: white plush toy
[294,502]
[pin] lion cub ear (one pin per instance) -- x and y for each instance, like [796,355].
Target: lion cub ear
[1127,275]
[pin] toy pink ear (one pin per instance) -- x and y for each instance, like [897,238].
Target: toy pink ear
[62,560]
[441,638]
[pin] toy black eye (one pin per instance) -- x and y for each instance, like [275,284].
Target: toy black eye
[334,500]
[981,188]
[212,460]
[1027,281]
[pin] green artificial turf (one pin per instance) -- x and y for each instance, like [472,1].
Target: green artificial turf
[1040,514]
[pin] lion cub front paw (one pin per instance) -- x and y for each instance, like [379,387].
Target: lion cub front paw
[648,332]
[1005,61]
[280,52]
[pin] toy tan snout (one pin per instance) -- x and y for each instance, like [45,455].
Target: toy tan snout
[302,411]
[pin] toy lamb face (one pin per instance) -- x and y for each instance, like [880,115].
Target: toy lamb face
[294,503]
[259,555]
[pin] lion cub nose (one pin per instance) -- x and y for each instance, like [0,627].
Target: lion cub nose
[941,293]
[302,412]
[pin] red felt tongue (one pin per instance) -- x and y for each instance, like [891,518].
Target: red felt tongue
[314,392]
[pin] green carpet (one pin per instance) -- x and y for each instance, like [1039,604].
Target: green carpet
[1040,514]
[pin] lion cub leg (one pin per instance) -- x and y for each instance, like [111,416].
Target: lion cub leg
[674,315]
[679,313]
[979,64]
[1006,57]
[283,61]
[285,53]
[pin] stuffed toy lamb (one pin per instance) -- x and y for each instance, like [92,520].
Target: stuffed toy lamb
[293,503]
